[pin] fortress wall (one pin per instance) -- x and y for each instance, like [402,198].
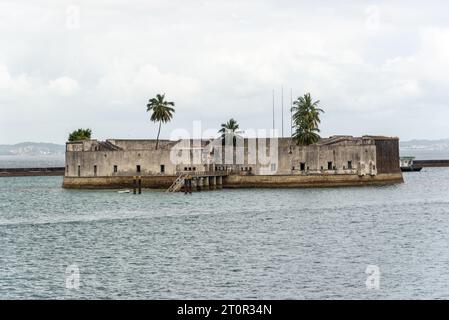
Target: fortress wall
[237,181]
[142,144]
[296,181]
[387,155]
[290,155]
[368,155]
[126,162]
[153,182]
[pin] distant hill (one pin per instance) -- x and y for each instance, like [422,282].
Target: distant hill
[442,144]
[31,149]
[425,149]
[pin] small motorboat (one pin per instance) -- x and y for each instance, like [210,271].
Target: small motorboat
[407,165]
[124,191]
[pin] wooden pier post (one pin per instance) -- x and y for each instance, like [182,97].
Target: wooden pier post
[134,185]
[140,185]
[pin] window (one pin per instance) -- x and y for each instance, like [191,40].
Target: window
[273,167]
[302,166]
[67,168]
[162,168]
[349,164]
[329,165]
[95,170]
[115,169]
[79,171]
[185,168]
[194,168]
[138,168]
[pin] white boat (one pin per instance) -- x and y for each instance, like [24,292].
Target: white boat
[124,191]
[406,164]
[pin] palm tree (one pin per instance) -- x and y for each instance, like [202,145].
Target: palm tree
[162,111]
[229,129]
[306,118]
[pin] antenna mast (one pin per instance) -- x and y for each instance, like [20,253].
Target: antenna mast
[282,110]
[273,114]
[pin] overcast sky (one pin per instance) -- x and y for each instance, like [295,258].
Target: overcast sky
[377,67]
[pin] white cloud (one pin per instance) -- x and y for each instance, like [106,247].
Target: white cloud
[125,80]
[64,86]
[13,84]
[220,59]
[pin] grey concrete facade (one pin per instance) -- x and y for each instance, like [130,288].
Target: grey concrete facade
[338,155]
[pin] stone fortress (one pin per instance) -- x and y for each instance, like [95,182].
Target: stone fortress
[245,162]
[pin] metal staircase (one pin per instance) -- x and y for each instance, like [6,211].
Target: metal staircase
[178,183]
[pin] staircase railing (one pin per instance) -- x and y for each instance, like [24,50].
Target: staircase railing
[177,184]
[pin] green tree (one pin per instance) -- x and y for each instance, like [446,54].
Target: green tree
[229,129]
[80,134]
[161,111]
[306,119]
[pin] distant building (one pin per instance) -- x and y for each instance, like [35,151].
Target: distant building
[334,161]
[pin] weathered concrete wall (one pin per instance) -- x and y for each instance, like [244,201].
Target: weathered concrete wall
[296,181]
[346,156]
[154,182]
[289,156]
[237,181]
[387,156]
[126,161]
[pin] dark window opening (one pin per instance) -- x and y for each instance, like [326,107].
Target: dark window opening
[185,168]
[95,170]
[302,166]
[349,164]
[115,169]
[138,168]
[162,168]
[322,168]
[329,165]
[194,168]
[79,171]
[67,168]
